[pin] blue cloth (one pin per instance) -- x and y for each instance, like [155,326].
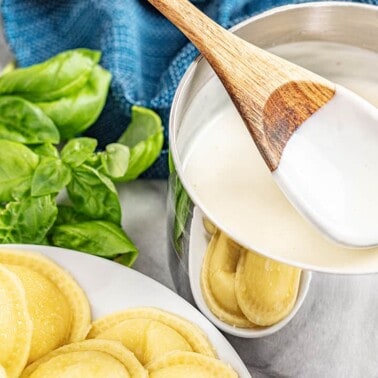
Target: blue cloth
[146,54]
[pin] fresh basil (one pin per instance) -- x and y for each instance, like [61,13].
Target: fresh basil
[75,113]
[144,136]
[101,238]
[115,160]
[45,149]
[68,215]
[78,150]
[60,76]
[53,101]
[50,176]
[183,206]
[17,165]
[94,194]
[27,220]
[11,66]
[24,122]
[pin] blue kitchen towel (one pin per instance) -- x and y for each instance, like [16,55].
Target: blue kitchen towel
[145,53]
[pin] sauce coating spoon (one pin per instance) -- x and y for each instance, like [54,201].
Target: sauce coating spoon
[319,140]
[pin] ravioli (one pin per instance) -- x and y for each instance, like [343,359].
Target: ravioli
[189,365]
[43,312]
[242,288]
[57,305]
[266,290]
[151,333]
[89,358]
[218,280]
[15,325]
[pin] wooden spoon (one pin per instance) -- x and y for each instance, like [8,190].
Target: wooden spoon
[274,97]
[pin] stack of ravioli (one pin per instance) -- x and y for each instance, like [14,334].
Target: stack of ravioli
[245,289]
[46,331]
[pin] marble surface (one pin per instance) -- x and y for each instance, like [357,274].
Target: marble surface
[334,334]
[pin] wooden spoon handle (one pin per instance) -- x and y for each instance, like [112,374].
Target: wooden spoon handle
[273,96]
[230,56]
[217,45]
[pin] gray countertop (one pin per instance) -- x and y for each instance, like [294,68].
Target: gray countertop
[334,334]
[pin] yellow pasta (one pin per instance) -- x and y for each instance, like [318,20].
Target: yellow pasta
[189,365]
[147,339]
[57,305]
[218,280]
[3,373]
[266,290]
[182,333]
[15,325]
[45,315]
[89,358]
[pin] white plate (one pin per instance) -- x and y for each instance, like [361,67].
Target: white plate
[112,287]
[198,243]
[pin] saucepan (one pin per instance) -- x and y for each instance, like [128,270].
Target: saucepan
[237,248]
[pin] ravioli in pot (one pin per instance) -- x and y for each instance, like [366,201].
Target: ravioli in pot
[218,280]
[15,325]
[245,289]
[189,365]
[266,290]
[150,333]
[89,358]
[57,305]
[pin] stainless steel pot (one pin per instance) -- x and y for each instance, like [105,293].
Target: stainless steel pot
[347,23]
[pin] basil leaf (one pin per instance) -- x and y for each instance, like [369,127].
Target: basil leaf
[78,150]
[57,77]
[144,123]
[99,238]
[17,165]
[11,66]
[50,176]
[183,206]
[171,164]
[45,149]
[28,220]
[144,136]
[24,122]
[115,160]
[94,194]
[75,113]
[68,215]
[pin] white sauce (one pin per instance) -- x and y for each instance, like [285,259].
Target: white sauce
[234,187]
[329,169]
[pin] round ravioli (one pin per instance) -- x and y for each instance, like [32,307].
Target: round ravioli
[89,358]
[151,333]
[189,365]
[49,311]
[218,280]
[58,306]
[266,290]
[147,339]
[15,325]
